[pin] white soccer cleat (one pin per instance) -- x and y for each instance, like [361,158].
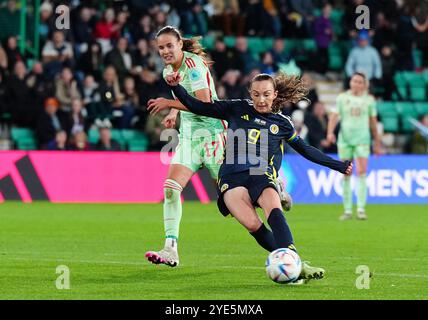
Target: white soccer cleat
[361,215]
[286,200]
[345,216]
[165,256]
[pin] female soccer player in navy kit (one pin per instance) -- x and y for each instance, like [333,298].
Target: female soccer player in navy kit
[246,177]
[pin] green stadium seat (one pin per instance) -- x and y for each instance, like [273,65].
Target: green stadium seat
[138,145]
[290,45]
[26,145]
[414,79]
[403,92]
[208,42]
[336,20]
[421,108]
[418,93]
[255,45]
[22,133]
[425,76]
[406,111]
[23,138]
[336,62]
[131,134]
[390,123]
[418,58]
[400,80]
[387,109]
[309,45]
[93,136]
[229,41]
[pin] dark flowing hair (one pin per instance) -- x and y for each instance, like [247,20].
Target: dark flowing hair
[290,89]
[192,45]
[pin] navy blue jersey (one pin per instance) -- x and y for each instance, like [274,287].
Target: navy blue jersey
[254,140]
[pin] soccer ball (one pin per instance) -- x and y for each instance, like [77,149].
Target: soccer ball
[283,265]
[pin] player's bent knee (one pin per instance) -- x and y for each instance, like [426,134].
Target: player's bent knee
[253,225]
[172,190]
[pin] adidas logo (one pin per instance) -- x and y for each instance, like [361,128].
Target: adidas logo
[245,117]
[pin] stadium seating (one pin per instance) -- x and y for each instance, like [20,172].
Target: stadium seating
[23,138]
[406,111]
[129,139]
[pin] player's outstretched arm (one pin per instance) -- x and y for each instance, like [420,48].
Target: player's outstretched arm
[216,109]
[315,155]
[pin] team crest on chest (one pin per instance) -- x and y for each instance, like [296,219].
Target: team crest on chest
[274,129]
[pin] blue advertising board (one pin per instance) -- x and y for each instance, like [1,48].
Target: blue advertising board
[390,179]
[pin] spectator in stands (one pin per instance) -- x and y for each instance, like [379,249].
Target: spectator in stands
[131,103]
[4,107]
[111,96]
[364,58]
[91,98]
[144,29]
[66,89]
[224,58]
[278,52]
[191,16]
[50,122]
[106,143]
[12,52]
[142,57]
[79,142]
[231,84]
[305,11]
[124,25]
[20,97]
[153,129]
[409,28]
[271,23]
[120,58]
[228,17]
[268,64]
[317,124]
[9,20]
[245,61]
[47,21]
[384,32]
[91,61]
[82,30]
[3,60]
[78,118]
[323,32]
[388,72]
[56,54]
[41,86]
[312,91]
[59,143]
[150,87]
[253,13]
[106,30]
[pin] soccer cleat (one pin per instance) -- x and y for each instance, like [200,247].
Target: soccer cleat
[345,216]
[165,256]
[299,282]
[361,215]
[286,200]
[309,272]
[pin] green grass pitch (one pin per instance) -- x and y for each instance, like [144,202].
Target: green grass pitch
[103,246]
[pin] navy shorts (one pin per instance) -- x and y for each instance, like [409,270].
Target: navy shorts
[255,184]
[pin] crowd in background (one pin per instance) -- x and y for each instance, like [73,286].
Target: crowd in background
[106,67]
